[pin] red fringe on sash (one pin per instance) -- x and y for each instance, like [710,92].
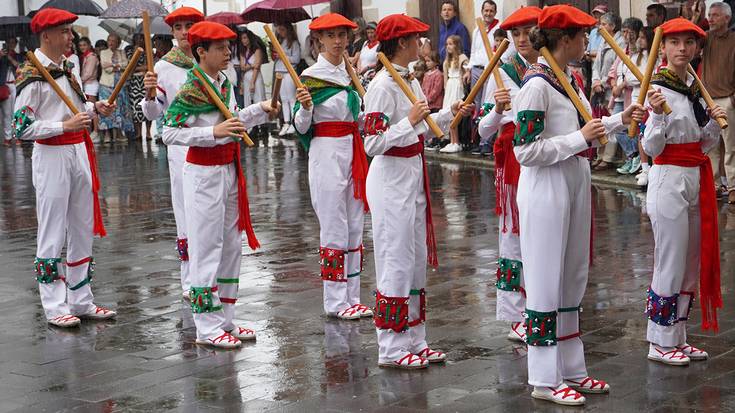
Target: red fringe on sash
[507,172]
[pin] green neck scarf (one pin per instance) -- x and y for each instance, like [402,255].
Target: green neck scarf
[178,58]
[321,90]
[192,99]
[515,68]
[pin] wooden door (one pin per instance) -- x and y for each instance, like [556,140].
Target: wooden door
[431,15]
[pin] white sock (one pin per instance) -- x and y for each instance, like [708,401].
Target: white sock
[645,166]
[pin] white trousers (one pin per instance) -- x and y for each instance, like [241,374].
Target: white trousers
[288,97]
[673,206]
[395,191]
[215,243]
[176,159]
[728,137]
[341,216]
[64,204]
[554,206]
[6,113]
[509,304]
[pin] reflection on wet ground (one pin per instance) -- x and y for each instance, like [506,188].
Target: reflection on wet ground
[302,361]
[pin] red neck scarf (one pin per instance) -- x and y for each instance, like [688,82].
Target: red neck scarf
[492,24]
[690,155]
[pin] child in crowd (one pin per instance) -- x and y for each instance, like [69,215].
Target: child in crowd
[455,65]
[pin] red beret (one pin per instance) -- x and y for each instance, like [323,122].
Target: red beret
[184,14]
[398,25]
[525,16]
[682,25]
[331,21]
[563,16]
[51,17]
[209,31]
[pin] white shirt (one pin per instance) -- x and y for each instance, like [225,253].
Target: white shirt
[334,109]
[368,56]
[561,137]
[77,69]
[478,55]
[170,80]
[47,110]
[199,130]
[678,127]
[492,122]
[384,96]
[293,53]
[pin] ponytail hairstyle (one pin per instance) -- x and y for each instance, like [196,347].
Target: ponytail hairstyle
[550,38]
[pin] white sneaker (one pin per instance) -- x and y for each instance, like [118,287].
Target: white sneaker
[432,356]
[451,148]
[642,178]
[98,313]
[517,332]
[588,385]
[226,341]
[407,362]
[291,130]
[349,313]
[64,321]
[284,130]
[695,354]
[667,355]
[561,394]
[243,334]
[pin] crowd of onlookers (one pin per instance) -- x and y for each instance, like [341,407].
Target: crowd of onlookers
[445,70]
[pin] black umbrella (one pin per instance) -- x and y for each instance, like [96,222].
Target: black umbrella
[79,7]
[14,26]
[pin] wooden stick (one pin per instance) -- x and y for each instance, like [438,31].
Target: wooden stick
[576,100]
[126,74]
[55,86]
[355,79]
[221,106]
[276,90]
[282,55]
[151,93]
[489,51]
[408,92]
[651,64]
[707,97]
[626,60]
[481,81]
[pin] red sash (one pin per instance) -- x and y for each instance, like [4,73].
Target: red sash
[409,152]
[223,155]
[689,155]
[72,138]
[507,172]
[359,159]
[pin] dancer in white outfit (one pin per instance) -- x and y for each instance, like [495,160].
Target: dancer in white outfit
[681,201]
[398,194]
[511,300]
[64,174]
[326,119]
[168,77]
[554,203]
[215,192]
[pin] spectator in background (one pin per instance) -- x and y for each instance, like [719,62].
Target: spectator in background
[695,11]
[72,56]
[601,88]
[433,83]
[251,55]
[359,37]
[8,66]
[595,40]
[367,56]
[113,62]
[451,26]
[90,74]
[655,15]
[286,34]
[136,91]
[455,64]
[718,76]
[498,38]
[163,45]
[478,55]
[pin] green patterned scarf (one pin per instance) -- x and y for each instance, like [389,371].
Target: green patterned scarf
[29,74]
[321,90]
[178,58]
[515,68]
[192,99]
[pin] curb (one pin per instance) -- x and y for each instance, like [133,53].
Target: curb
[608,178]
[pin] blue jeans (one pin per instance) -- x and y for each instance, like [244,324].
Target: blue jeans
[629,145]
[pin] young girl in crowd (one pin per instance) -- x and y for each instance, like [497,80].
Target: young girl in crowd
[433,83]
[251,55]
[286,35]
[681,201]
[454,67]
[640,58]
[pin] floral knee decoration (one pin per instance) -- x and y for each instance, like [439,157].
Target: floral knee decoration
[47,270]
[90,272]
[662,310]
[509,275]
[422,307]
[182,246]
[391,313]
[332,263]
[540,328]
[202,300]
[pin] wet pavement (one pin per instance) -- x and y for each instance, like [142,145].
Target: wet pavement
[146,360]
